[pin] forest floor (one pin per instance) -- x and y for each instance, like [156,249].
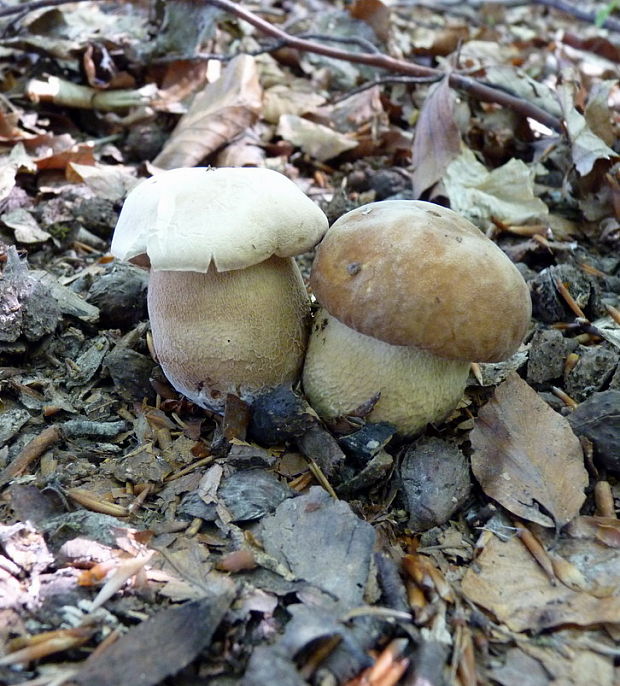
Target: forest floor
[144,540]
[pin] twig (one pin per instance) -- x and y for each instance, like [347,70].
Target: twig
[382,61]
[386,81]
[267,47]
[30,452]
[351,40]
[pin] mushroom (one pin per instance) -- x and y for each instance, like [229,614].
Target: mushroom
[226,301]
[411,294]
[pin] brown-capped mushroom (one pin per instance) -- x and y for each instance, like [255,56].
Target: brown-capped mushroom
[412,293]
[227,304]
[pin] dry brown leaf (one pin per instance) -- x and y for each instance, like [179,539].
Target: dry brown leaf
[316,140]
[81,153]
[505,193]
[508,582]
[107,181]
[527,457]
[283,99]
[586,146]
[217,115]
[437,138]
[179,80]
[603,529]
[375,14]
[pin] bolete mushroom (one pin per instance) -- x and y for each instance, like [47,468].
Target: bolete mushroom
[411,293]
[226,301]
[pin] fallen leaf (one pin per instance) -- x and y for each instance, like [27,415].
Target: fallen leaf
[110,182]
[8,173]
[506,193]
[437,139]
[25,226]
[586,146]
[527,457]
[294,99]
[180,79]
[301,535]
[508,582]
[603,529]
[316,140]
[375,13]
[217,115]
[158,647]
[524,86]
[598,113]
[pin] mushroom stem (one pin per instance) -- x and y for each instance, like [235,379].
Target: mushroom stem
[344,369]
[238,331]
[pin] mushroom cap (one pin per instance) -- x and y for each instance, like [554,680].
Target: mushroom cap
[236,217]
[417,274]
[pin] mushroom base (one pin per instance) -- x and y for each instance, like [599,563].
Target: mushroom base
[345,369]
[239,332]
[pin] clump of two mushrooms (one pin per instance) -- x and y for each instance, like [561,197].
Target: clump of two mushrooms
[411,293]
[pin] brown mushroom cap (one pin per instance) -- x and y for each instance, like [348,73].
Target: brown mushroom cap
[417,274]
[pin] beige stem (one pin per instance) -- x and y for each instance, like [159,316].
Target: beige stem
[344,369]
[237,332]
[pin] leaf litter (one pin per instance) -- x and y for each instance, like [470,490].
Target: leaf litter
[144,539]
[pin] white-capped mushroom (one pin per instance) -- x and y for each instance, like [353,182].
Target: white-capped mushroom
[412,293]
[227,304]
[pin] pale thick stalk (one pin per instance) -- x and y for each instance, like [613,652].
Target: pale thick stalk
[240,331]
[344,369]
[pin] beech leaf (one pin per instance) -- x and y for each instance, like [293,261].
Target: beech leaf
[505,193]
[437,138]
[586,146]
[527,457]
[217,115]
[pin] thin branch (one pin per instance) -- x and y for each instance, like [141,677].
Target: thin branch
[382,61]
[386,81]
[267,47]
[351,40]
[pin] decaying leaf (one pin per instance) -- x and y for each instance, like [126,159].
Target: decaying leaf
[217,115]
[316,140]
[110,182]
[586,146]
[519,83]
[603,529]
[289,99]
[375,14]
[25,226]
[437,138]
[508,582]
[7,179]
[527,457]
[506,193]
[598,112]
[157,647]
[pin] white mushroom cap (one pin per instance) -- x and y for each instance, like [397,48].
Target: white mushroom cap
[236,217]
